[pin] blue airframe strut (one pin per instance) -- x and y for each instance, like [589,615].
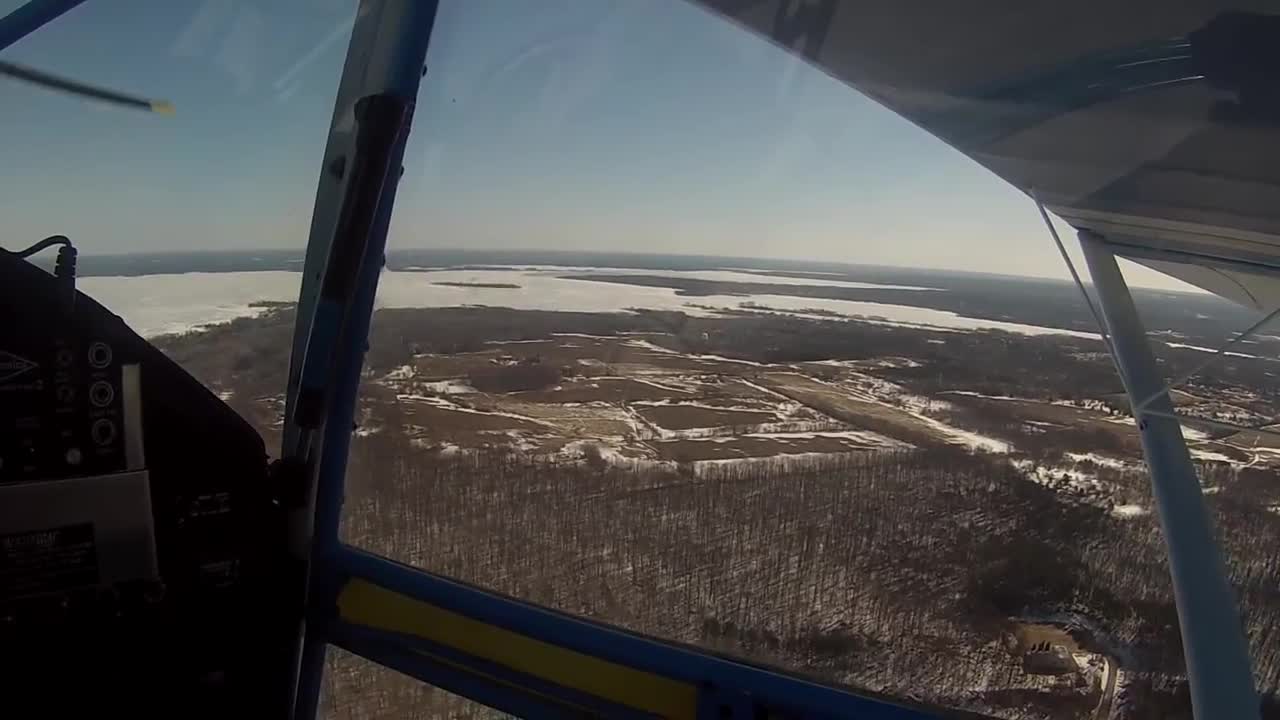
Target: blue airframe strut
[1213,640]
[359,174]
[30,17]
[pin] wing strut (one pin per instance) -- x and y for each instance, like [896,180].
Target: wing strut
[1213,640]
[356,191]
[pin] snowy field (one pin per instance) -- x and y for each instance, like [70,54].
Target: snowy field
[159,304]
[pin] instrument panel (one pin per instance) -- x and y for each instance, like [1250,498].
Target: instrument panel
[136,513]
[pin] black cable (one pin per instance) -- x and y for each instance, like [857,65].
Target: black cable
[64,271]
[45,243]
[64,267]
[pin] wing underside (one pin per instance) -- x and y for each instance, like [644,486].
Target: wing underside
[1153,124]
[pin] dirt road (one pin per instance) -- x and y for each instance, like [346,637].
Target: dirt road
[1109,672]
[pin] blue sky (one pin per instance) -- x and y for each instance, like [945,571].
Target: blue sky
[643,125]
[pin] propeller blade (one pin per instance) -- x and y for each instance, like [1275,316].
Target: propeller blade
[53,82]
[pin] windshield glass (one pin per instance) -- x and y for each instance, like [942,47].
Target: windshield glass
[188,219]
[677,333]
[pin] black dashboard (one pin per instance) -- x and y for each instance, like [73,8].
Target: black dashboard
[138,529]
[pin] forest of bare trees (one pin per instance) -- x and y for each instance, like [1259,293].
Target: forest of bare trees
[902,573]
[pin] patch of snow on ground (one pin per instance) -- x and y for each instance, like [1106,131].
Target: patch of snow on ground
[922,403]
[448,387]
[668,402]
[765,391]
[898,363]
[1087,404]
[651,347]
[1076,480]
[865,437]
[448,405]
[1191,434]
[970,393]
[721,358]
[584,335]
[879,390]
[518,439]
[839,363]
[882,362]
[1100,460]
[971,440]
[1129,511]
[665,386]
[428,399]
[578,449]
[700,466]
[1210,456]
[1201,348]
[404,372]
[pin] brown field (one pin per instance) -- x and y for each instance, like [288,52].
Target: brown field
[611,389]
[686,417]
[661,405]
[1253,439]
[830,400]
[641,399]
[448,422]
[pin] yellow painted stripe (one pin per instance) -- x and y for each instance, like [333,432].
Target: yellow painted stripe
[563,704]
[364,603]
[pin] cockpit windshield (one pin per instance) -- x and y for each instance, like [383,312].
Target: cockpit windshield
[676,332]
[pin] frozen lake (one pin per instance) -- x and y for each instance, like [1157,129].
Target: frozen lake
[168,303]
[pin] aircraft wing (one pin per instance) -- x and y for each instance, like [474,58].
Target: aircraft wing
[1152,123]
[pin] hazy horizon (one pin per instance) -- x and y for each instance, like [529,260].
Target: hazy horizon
[299,253]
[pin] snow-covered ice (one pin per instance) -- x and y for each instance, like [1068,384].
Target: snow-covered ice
[162,304]
[159,304]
